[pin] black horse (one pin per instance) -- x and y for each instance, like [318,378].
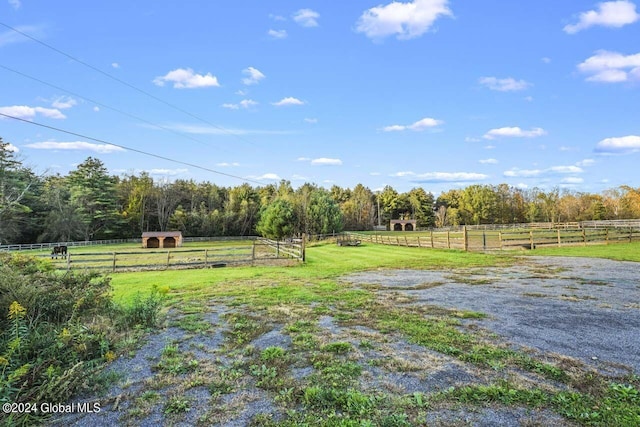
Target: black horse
[59,250]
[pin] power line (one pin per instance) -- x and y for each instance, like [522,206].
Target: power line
[129,85]
[106,106]
[135,150]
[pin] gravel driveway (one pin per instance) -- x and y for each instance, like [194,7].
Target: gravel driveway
[584,308]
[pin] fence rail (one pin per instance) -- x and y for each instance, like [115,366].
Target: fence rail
[250,253]
[492,240]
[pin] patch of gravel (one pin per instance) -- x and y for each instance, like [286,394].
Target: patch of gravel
[273,338]
[582,308]
[494,417]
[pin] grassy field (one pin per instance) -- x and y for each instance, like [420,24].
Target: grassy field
[619,252]
[295,299]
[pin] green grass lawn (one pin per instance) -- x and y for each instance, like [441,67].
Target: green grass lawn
[619,252]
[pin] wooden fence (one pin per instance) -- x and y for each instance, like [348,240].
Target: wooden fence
[490,240]
[257,251]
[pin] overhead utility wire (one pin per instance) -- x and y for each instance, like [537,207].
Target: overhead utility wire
[107,106]
[104,73]
[146,153]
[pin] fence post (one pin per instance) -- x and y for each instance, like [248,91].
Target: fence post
[419,245]
[584,237]
[68,261]
[114,262]
[531,239]
[432,246]
[559,238]
[277,248]
[168,257]
[630,234]
[484,240]
[304,247]
[206,258]
[606,236]
[500,239]
[398,240]
[466,238]
[406,242]
[448,239]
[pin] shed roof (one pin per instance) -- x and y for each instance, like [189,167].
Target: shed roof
[162,234]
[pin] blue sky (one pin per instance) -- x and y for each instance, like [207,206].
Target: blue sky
[432,93]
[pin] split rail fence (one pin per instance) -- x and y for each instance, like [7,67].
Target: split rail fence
[250,253]
[490,240]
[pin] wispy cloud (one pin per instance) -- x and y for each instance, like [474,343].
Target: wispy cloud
[11,37]
[265,177]
[508,84]
[77,145]
[435,177]
[29,113]
[404,20]
[306,17]
[186,78]
[253,76]
[227,165]
[613,14]
[611,67]
[310,120]
[277,34]
[418,126]
[64,102]
[288,101]
[619,145]
[324,161]
[212,130]
[488,161]
[514,132]
[532,173]
[15,4]
[167,172]
[245,103]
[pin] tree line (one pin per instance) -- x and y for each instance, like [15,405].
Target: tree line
[90,204]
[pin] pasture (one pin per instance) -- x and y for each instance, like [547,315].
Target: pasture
[370,335]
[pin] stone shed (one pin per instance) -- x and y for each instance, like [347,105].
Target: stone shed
[403,225]
[161,239]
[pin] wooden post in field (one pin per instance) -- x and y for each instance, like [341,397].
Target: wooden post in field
[206,258]
[113,268]
[531,239]
[432,239]
[419,245]
[277,248]
[168,257]
[465,236]
[559,238]
[304,247]
[406,242]
[630,234]
[448,239]
[397,241]
[500,239]
[584,237]
[606,236]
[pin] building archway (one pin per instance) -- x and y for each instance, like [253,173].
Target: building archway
[408,227]
[169,242]
[153,242]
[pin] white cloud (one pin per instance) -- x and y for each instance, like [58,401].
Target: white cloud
[297,177]
[585,163]
[546,60]
[489,147]
[96,109]
[288,101]
[303,159]
[306,17]
[11,37]
[619,145]
[115,65]
[433,177]
[514,132]
[77,145]
[265,177]
[277,34]
[611,67]
[522,185]
[28,113]
[530,173]
[405,20]
[614,14]
[253,76]
[488,161]
[13,148]
[572,180]
[418,126]
[213,130]
[323,161]
[64,102]
[15,4]
[471,139]
[312,121]
[277,17]
[528,98]
[185,78]
[227,165]
[375,173]
[167,172]
[245,103]
[504,85]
